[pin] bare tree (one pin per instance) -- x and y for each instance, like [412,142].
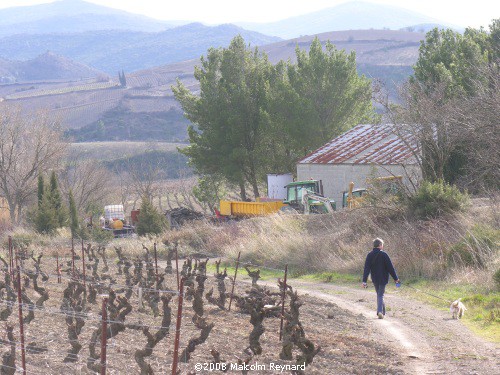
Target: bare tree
[30,143]
[425,121]
[89,182]
[446,130]
[479,117]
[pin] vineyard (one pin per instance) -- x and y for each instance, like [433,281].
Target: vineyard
[61,90]
[85,310]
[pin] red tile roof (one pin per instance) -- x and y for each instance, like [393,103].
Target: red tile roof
[365,144]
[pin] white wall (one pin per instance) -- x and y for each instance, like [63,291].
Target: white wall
[336,177]
[276,185]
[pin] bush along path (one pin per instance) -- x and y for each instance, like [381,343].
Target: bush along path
[427,340]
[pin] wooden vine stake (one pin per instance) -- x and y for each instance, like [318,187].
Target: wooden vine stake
[21,323]
[72,257]
[177,268]
[83,265]
[175,360]
[104,338]
[283,302]
[234,281]
[156,263]
[11,259]
[58,270]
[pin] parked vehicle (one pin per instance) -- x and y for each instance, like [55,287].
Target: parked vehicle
[307,197]
[248,209]
[114,220]
[389,185]
[301,196]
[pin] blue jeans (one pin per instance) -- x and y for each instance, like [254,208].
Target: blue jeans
[380,289]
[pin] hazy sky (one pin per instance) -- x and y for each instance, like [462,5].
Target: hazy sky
[461,13]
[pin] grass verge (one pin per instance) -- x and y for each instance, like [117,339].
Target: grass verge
[483,304]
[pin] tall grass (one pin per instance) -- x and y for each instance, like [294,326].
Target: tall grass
[340,242]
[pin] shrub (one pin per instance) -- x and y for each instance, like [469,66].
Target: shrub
[434,199]
[478,247]
[496,278]
[21,239]
[96,234]
[150,221]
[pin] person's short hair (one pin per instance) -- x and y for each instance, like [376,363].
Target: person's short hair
[377,242]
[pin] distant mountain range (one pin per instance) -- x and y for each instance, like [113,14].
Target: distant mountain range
[145,109]
[73,16]
[116,50]
[86,40]
[354,15]
[112,40]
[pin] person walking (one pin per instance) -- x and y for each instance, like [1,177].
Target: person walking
[379,265]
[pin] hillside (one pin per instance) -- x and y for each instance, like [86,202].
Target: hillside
[72,16]
[354,15]
[116,50]
[47,66]
[386,55]
[147,100]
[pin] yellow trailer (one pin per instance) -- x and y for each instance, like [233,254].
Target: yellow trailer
[241,209]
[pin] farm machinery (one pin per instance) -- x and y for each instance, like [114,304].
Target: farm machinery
[301,196]
[388,185]
[114,220]
[307,197]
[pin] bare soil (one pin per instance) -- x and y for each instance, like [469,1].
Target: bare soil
[413,339]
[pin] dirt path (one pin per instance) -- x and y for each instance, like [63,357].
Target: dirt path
[428,340]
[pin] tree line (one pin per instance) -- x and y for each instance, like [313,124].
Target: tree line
[252,117]
[451,105]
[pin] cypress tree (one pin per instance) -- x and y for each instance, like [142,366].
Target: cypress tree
[56,200]
[45,219]
[40,189]
[124,82]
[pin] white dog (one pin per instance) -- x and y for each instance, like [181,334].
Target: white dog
[457,309]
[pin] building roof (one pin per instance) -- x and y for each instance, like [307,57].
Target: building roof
[365,144]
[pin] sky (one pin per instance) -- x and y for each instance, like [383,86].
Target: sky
[457,12]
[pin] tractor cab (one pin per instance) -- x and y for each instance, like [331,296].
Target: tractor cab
[294,190]
[307,197]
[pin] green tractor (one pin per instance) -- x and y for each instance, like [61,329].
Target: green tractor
[307,197]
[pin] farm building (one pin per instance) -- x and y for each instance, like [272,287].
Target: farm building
[364,152]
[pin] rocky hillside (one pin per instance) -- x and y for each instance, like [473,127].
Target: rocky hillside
[47,66]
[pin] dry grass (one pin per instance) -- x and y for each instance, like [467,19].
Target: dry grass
[340,242]
[455,249]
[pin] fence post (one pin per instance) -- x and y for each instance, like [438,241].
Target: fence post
[83,265]
[177,267]
[283,296]
[21,323]
[156,264]
[178,328]
[104,335]
[72,257]
[234,281]
[11,260]
[58,270]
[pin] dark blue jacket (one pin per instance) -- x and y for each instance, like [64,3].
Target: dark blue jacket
[380,266]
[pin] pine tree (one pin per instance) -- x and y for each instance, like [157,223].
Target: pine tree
[150,221]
